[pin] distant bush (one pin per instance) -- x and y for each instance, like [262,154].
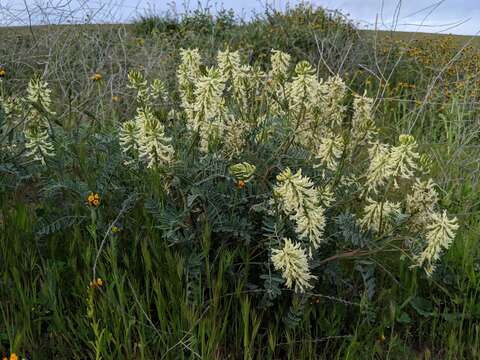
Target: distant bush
[200,22]
[299,30]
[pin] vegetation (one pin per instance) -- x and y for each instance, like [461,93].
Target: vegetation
[202,187]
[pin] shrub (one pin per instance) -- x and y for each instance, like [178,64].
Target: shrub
[310,180]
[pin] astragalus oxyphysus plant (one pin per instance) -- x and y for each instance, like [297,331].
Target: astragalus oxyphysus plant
[286,168]
[325,184]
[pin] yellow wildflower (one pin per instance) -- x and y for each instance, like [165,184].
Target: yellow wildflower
[240,184]
[97,283]
[93,199]
[96,77]
[13,356]
[3,72]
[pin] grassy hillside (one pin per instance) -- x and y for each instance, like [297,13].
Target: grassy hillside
[231,202]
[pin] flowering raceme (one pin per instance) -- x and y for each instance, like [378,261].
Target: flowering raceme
[332,93]
[303,88]
[292,261]
[299,199]
[39,96]
[330,150]
[403,158]
[39,107]
[421,202]
[363,126]
[440,234]
[187,74]
[229,64]
[280,63]
[380,167]
[153,145]
[128,137]
[378,215]
[38,144]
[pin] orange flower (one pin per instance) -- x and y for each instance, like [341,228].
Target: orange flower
[13,356]
[97,283]
[240,184]
[96,77]
[93,199]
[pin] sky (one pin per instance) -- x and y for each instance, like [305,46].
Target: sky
[439,16]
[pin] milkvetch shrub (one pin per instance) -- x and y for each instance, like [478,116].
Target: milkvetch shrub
[286,168]
[316,156]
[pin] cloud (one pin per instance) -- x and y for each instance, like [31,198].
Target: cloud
[448,16]
[451,16]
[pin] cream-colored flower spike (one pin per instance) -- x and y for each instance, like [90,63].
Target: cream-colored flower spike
[292,261]
[37,140]
[280,63]
[38,144]
[128,137]
[187,74]
[209,107]
[421,203]
[380,167]
[299,199]
[38,93]
[326,196]
[363,124]
[330,150]
[154,145]
[208,95]
[404,157]
[377,215]
[302,90]
[439,236]
[229,63]
[332,94]
[189,68]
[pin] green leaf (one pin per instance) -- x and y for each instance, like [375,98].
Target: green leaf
[422,306]
[404,318]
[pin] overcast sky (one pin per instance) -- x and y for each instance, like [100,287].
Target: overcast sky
[447,16]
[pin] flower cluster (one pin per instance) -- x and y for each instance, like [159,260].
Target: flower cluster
[97,77]
[93,199]
[298,198]
[145,138]
[13,356]
[440,234]
[242,171]
[96,283]
[379,215]
[187,74]
[153,145]
[147,93]
[292,261]
[38,141]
